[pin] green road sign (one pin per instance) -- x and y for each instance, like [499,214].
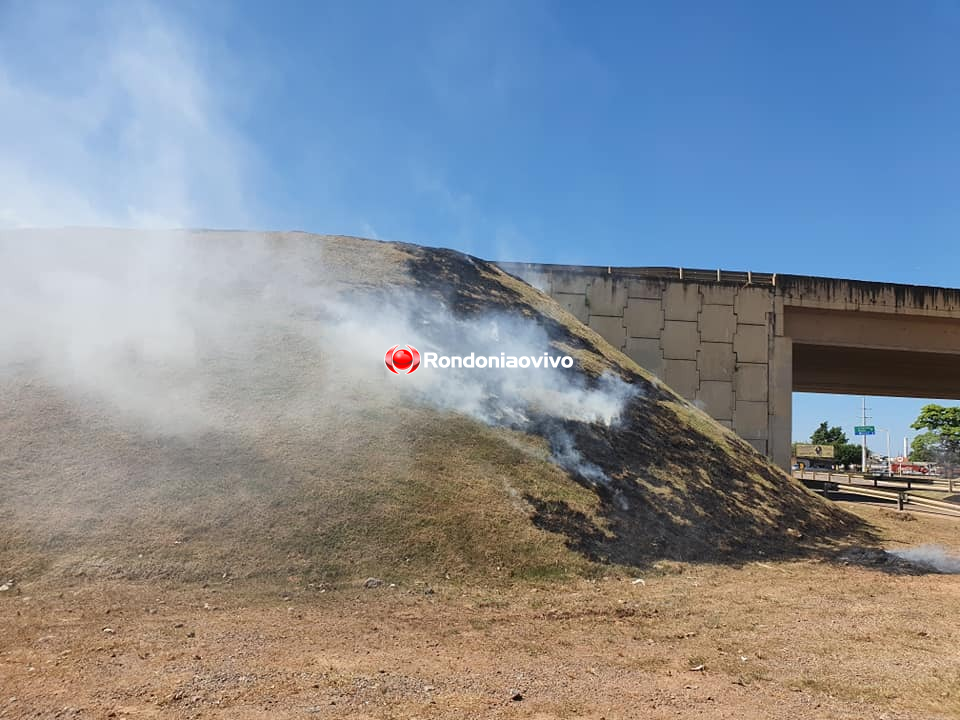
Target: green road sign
[865,430]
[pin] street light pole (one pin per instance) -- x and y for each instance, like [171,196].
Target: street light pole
[863,461]
[889,466]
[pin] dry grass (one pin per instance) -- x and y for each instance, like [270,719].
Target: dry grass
[344,498]
[790,639]
[369,485]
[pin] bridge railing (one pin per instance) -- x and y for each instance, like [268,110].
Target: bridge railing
[726,276]
[732,277]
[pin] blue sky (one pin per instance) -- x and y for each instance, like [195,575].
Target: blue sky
[808,138]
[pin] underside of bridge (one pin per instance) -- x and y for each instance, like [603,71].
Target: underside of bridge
[876,354]
[877,372]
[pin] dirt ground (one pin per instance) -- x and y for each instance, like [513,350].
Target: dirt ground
[798,639]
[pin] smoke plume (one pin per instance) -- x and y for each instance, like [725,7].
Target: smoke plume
[173,333]
[931,556]
[180,333]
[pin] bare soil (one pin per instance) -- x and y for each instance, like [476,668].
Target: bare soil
[783,639]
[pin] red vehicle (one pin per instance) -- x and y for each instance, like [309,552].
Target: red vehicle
[902,466]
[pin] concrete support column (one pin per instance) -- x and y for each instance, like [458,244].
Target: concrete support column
[781,402]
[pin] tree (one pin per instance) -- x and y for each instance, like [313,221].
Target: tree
[828,436]
[943,422]
[941,442]
[848,454]
[924,448]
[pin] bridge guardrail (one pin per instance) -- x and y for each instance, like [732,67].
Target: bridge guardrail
[901,497]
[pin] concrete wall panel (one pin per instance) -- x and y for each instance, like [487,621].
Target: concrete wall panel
[750,420]
[752,382]
[576,305]
[610,328]
[643,288]
[682,376]
[643,318]
[717,323]
[606,296]
[716,399]
[560,282]
[751,344]
[718,294]
[759,445]
[647,353]
[681,301]
[680,340]
[753,305]
[716,361]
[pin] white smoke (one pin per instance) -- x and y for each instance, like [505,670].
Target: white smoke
[520,398]
[126,129]
[142,322]
[932,556]
[179,333]
[496,396]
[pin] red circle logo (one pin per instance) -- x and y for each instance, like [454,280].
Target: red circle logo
[403,360]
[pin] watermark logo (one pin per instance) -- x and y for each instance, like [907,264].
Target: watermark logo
[403,360]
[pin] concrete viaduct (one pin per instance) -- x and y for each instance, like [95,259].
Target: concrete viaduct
[739,344]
